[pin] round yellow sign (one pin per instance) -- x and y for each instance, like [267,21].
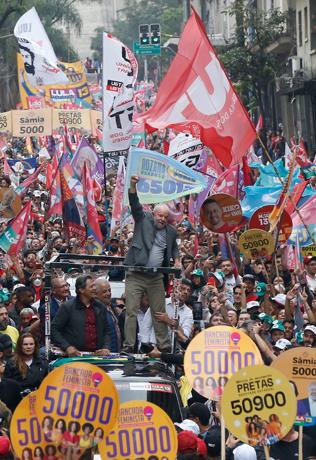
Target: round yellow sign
[299,366]
[26,432]
[142,430]
[256,243]
[83,399]
[258,405]
[214,355]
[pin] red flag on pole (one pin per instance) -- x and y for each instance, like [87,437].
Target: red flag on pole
[196,94]
[13,239]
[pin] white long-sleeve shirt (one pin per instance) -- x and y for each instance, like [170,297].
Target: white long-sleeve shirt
[147,332]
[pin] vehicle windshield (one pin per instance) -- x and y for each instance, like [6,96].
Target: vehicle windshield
[161,394]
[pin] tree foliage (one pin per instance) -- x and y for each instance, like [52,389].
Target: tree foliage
[250,64]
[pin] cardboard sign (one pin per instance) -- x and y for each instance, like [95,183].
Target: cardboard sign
[308,251]
[221,213]
[214,355]
[79,119]
[299,366]
[26,432]
[83,396]
[258,405]
[260,220]
[143,430]
[256,243]
[5,122]
[31,122]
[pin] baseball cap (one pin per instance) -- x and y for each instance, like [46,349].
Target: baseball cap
[212,440]
[5,342]
[311,328]
[265,318]
[249,277]
[308,259]
[189,442]
[282,344]
[252,304]
[277,325]
[197,272]
[188,425]
[200,411]
[261,289]
[219,277]
[244,452]
[280,299]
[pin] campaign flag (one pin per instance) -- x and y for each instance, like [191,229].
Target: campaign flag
[75,186]
[93,227]
[287,155]
[73,222]
[186,149]
[40,62]
[13,239]
[161,178]
[21,189]
[296,195]
[55,191]
[120,70]
[196,200]
[196,94]
[85,154]
[299,232]
[309,171]
[22,165]
[268,176]
[118,194]
[227,182]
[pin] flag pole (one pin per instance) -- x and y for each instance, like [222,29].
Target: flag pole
[290,197]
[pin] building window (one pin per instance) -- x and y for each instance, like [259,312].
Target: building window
[313,24]
[305,24]
[300,32]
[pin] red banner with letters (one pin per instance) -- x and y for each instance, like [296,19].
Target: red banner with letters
[197,95]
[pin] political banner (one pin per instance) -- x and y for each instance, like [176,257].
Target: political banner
[22,165]
[161,178]
[31,122]
[79,119]
[143,430]
[258,405]
[13,239]
[27,433]
[5,122]
[120,70]
[196,201]
[80,394]
[299,366]
[75,91]
[260,220]
[214,355]
[308,251]
[256,243]
[221,213]
[40,62]
[96,122]
[85,153]
[307,212]
[118,195]
[186,149]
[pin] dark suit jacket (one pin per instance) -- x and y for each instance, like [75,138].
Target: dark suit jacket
[144,236]
[68,326]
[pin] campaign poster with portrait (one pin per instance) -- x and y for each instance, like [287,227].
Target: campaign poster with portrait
[10,204]
[256,243]
[258,405]
[214,355]
[299,366]
[260,220]
[81,397]
[143,430]
[221,213]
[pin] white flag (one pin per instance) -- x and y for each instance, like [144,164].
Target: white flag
[40,61]
[119,76]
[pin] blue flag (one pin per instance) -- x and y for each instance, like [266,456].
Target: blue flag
[23,165]
[161,178]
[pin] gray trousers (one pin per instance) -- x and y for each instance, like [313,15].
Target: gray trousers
[136,285]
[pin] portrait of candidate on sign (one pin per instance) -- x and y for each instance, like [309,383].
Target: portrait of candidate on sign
[221,213]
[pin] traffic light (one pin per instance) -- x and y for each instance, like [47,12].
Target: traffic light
[144,34]
[155,34]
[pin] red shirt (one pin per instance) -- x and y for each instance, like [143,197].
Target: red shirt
[90,330]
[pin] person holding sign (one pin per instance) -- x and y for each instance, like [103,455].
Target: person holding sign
[153,245]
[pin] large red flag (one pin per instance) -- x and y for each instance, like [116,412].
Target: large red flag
[196,94]
[93,227]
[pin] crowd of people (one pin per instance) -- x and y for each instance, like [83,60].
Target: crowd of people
[262,297]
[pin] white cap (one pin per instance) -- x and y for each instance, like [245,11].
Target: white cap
[311,328]
[282,344]
[279,298]
[17,286]
[244,452]
[252,304]
[189,425]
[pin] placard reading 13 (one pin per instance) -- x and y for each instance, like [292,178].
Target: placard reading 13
[256,243]
[214,355]
[258,405]
[83,396]
[142,431]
